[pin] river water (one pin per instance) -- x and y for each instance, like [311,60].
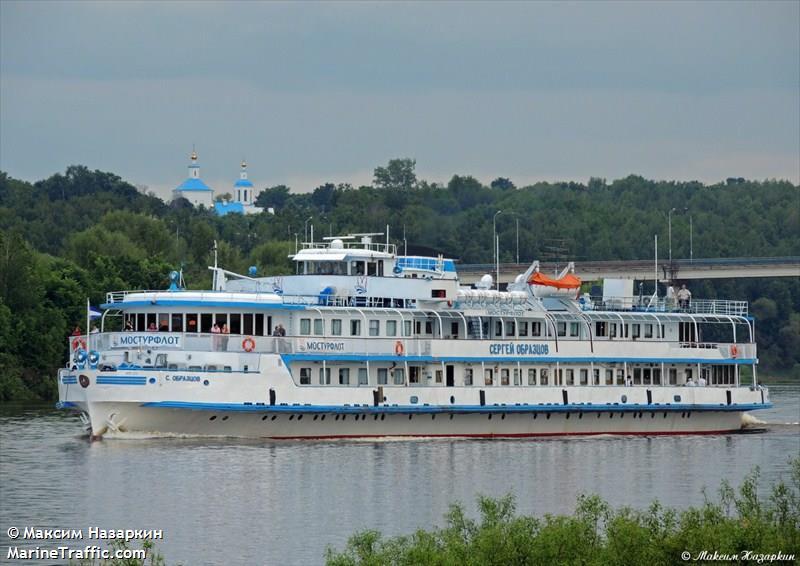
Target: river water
[259,502]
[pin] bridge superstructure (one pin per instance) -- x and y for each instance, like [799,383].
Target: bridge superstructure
[682,269]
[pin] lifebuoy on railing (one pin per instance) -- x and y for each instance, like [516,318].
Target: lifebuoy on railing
[734,351]
[78,343]
[398,348]
[248,344]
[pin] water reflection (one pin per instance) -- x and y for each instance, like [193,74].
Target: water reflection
[284,502]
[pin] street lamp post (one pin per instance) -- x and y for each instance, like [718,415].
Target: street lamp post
[669,223]
[496,249]
[305,229]
[691,240]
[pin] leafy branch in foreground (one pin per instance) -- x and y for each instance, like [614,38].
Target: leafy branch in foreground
[737,524]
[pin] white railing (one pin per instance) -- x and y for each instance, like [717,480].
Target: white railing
[662,304]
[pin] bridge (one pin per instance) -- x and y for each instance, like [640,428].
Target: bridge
[677,270]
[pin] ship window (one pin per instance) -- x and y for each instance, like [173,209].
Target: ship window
[355,327]
[247,323]
[656,376]
[399,376]
[374,327]
[141,323]
[383,374]
[344,376]
[336,327]
[438,376]
[372,268]
[221,319]
[324,376]
[612,330]
[468,376]
[559,377]
[648,330]
[498,328]
[206,323]
[562,328]
[523,329]
[163,322]
[428,327]
[574,329]
[510,330]
[620,377]
[177,322]
[356,268]
[637,376]
[584,376]
[413,374]
[305,326]
[646,376]
[600,328]
[673,376]
[504,375]
[609,377]
[531,376]
[516,376]
[488,376]
[235,324]
[151,320]
[570,377]
[543,376]
[407,328]
[438,293]
[636,330]
[536,328]
[363,377]
[391,328]
[305,376]
[596,377]
[318,327]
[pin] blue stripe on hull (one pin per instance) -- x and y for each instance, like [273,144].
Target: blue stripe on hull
[433,409]
[288,358]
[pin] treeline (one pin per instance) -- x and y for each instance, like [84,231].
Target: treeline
[743,527]
[83,233]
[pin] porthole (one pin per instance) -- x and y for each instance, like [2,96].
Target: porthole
[452,399]
[274,417]
[225,418]
[291,417]
[677,398]
[323,418]
[205,382]
[624,398]
[213,418]
[264,418]
[299,417]
[315,417]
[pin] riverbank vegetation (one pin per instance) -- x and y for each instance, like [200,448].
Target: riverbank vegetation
[742,527]
[82,233]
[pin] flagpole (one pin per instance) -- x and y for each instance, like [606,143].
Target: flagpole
[88,320]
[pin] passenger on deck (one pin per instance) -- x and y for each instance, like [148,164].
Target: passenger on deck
[129,325]
[690,383]
[701,382]
[215,339]
[684,296]
[224,339]
[76,331]
[279,331]
[152,327]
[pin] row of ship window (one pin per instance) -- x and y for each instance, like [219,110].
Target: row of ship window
[715,375]
[259,324]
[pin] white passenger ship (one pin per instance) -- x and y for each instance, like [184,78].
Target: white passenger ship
[362,342]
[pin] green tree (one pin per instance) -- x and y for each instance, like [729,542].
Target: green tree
[398,174]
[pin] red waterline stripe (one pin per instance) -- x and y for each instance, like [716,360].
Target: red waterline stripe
[510,435]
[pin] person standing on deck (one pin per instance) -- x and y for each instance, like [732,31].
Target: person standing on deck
[684,296]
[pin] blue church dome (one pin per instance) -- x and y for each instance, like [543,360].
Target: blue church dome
[193,184]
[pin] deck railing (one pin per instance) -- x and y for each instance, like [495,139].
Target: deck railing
[663,304]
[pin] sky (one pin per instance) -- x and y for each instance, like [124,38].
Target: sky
[315,92]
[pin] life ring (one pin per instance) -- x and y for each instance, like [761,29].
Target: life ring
[84,381]
[78,343]
[248,344]
[734,351]
[398,348]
